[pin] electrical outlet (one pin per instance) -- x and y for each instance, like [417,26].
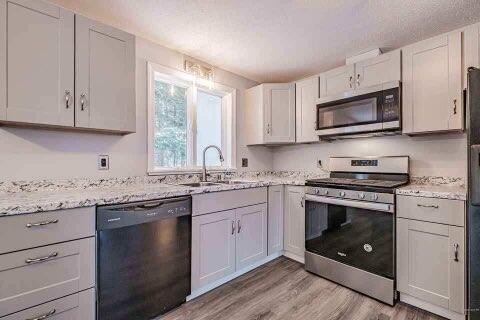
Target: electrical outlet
[103,162]
[244,162]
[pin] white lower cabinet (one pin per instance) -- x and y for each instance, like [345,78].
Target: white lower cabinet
[78,306]
[227,241]
[294,228]
[275,219]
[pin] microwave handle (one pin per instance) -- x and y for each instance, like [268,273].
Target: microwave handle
[351,203]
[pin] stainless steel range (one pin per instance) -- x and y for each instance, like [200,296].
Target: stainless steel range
[350,223]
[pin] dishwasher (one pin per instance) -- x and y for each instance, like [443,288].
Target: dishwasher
[143,258]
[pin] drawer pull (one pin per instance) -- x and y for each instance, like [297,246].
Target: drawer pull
[36,260]
[455,247]
[44,316]
[434,206]
[41,223]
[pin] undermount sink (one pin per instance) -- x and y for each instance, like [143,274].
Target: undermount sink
[198,184]
[232,182]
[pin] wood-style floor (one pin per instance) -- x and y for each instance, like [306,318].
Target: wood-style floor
[282,289]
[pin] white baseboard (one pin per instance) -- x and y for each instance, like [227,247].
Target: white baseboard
[431,307]
[228,278]
[295,257]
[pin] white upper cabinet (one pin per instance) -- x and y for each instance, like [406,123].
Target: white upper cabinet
[378,70]
[351,79]
[432,85]
[270,114]
[306,95]
[105,77]
[337,81]
[472,50]
[36,63]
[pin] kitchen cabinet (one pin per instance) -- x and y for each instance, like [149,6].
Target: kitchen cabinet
[36,63]
[431,263]
[63,70]
[294,229]
[213,247]
[275,219]
[270,114]
[472,50]
[432,85]
[105,77]
[351,79]
[251,240]
[306,95]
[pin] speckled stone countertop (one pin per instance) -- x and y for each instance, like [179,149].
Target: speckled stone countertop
[48,196]
[435,187]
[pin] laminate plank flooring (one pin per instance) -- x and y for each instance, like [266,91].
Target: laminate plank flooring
[282,289]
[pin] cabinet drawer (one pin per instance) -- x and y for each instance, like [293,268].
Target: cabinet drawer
[444,211]
[35,276]
[39,229]
[225,200]
[78,306]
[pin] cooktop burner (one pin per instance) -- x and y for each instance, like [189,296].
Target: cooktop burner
[357,182]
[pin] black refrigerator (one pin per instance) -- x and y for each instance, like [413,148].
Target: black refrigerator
[473,198]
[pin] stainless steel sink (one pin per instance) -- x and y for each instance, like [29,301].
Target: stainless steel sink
[198,184]
[233,182]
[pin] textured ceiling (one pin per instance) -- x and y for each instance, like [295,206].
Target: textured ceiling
[280,40]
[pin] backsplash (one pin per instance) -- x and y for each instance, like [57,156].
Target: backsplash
[95,183]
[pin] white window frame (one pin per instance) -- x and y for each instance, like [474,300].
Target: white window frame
[184,79]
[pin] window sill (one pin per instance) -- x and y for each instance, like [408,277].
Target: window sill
[162,172]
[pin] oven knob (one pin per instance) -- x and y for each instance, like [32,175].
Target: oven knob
[342,193]
[361,195]
[375,197]
[325,192]
[317,191]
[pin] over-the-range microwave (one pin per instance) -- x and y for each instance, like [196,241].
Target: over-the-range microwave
[376,110]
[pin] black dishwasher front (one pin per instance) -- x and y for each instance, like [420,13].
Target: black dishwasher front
[143,258]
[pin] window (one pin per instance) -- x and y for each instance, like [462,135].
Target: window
[184,119]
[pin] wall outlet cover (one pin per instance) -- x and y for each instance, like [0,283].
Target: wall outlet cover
[103,162]
[244,162]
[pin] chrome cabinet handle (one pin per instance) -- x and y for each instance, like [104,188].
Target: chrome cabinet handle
[301,201]
[434,206]
[454,106]
[41,223]
[268,128]
[350,82]
[455,247]
[42,259]
[233,227]
[239,226]
[67,99]
[358,80]
[82,101]
[43,316]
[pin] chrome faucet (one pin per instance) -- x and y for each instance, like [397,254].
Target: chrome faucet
[204,168]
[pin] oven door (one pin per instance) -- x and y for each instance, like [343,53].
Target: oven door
[352,115]
[357,233]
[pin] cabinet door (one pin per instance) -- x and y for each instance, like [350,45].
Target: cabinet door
[36,63]
[378,70]
[430,262]
[337,81]
[472,50]
[306,95]
[251,242]
[279,109]
[295,220]
[275,219]
[105,77]
[213,247]
[432,85]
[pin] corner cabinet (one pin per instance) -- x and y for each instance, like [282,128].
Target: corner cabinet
[294,228]
[63,70]
[432,85]
[306,95]
[270,114]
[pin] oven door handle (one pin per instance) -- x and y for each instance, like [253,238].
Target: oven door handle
[352,203]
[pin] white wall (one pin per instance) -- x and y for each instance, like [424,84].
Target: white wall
[34,153]
[439,155]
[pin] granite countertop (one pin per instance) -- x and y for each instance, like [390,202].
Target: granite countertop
[40,201]
[452,192]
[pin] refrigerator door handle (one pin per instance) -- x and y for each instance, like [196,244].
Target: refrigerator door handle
[475,175]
